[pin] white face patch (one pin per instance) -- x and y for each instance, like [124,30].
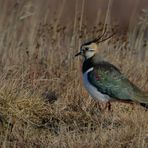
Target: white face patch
[89,53]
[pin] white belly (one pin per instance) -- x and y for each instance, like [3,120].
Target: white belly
[92,90]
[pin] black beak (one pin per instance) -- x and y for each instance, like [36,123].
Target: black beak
[79,53]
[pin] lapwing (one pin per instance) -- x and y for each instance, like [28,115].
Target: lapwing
[104,81]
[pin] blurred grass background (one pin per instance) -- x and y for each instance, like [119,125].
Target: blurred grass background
[42,99]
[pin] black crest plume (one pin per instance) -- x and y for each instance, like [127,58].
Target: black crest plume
[100,39]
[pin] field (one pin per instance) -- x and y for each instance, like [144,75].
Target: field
[42,99]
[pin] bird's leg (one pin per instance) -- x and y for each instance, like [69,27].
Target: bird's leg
[103,106]
[108,106]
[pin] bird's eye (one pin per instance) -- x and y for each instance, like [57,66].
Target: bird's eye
[86,48]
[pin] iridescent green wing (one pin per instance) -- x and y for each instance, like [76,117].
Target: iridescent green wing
[109,80]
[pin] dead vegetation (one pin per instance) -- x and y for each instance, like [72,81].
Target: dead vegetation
[42,99]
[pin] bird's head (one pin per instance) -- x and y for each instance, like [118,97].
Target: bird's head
[90,49]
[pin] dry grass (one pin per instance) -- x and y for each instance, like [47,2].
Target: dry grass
[42,99]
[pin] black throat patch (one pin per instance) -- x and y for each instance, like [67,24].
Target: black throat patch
[88,63]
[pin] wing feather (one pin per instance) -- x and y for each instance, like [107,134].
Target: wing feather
[109,80]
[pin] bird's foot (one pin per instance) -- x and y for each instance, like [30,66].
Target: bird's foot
[105,106]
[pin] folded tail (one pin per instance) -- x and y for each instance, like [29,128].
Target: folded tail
[145,105]
[142,98]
